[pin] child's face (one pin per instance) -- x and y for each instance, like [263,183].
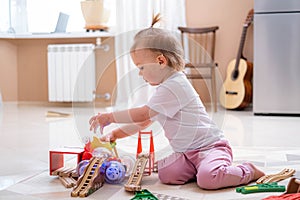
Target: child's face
[149,65]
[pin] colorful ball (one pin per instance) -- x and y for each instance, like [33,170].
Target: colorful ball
[81,166]
[115,172]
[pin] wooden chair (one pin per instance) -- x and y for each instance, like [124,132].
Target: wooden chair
[199,48]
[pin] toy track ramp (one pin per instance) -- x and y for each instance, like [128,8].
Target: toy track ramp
[91,180]
[134,181]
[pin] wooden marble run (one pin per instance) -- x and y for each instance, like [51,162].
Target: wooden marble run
[91,180]
[135,179]
[150,167]
[94,174]
[284,174]
[140,169]
[67,176]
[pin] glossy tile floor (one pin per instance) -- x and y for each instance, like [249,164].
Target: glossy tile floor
[27,135]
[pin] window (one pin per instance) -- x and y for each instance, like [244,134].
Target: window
[42,15]
[4,15]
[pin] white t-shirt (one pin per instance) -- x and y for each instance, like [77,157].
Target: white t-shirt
[182,115]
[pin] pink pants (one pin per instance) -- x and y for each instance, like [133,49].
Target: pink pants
[210,166]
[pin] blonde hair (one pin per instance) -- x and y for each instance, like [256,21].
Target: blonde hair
[162,42]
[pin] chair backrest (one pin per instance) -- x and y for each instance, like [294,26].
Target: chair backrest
[199,45]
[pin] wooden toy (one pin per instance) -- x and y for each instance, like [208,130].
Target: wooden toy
[91,180]
[140,168]
[284,174]
[135,179]
[293,186]
[57,114]
[67,176]
[68,182]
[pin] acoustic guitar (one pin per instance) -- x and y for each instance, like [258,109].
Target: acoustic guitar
[236,92]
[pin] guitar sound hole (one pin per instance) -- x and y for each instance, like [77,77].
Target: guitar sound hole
[235,74]
[231,93]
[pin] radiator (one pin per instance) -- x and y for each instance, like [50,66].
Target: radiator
[71,72]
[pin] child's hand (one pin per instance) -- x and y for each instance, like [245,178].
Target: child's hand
[108,138]
[100,120]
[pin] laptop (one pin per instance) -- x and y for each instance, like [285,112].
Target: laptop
[61,25]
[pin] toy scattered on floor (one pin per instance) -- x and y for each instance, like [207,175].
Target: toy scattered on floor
[91,180]
[284,174]
[293,186]
[81,166]
[150,167]
[292,191]
[144,195]
[67,176]
[294,196]
[92,172]
[115,172]
[134,181]
[56,157]
[167,197]
[104,166]
[99,163]
[91,146]
[57,114]
[265,187]
[140,169]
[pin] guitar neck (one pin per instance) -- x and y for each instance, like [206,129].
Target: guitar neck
[241,47]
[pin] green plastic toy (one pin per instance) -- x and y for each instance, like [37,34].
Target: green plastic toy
[265,187]
[144,195]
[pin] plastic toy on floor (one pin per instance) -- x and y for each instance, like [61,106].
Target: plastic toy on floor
[292,191]
[115,172]
[144,195]
[104,166]
[265,187]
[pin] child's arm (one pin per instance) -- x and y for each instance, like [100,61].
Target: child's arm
[133,115]
[125,131]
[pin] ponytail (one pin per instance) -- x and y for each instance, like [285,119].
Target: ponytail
[155,19]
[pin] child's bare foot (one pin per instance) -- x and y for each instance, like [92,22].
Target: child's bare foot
[257,173]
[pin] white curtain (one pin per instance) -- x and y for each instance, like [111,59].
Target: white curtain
[18,16]
[132,16]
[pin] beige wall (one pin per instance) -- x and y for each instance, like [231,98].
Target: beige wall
[229,15]
[8,71]
[23,71]
[23,67]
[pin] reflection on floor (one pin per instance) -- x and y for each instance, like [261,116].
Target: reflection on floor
[27,135]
